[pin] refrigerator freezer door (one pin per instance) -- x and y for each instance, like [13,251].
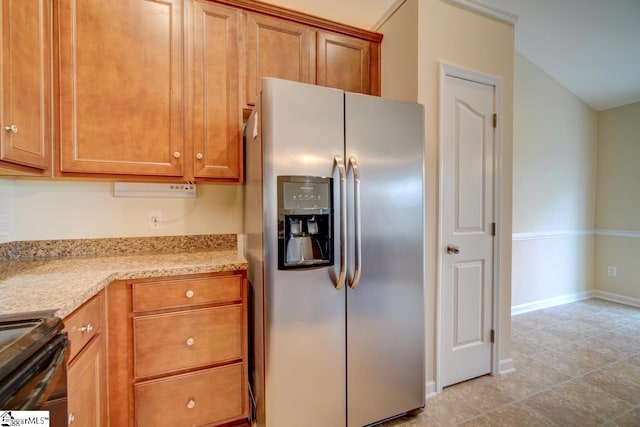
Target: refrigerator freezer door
[304,314]
[385,315]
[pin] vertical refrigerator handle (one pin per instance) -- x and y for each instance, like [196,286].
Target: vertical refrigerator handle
[353,282]
[342,173]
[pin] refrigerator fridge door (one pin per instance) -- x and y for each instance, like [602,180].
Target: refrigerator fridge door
[304,314]
[385,319]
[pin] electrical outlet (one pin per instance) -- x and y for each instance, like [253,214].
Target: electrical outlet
[612,271]
[155,220]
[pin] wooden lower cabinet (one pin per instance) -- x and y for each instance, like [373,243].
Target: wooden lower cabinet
[178,351]
[187,339]
[86,391]
[204,397]
[86,370]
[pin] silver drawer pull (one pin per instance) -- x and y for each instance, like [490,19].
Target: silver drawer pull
[190,341]
[189,293]
[12,128]
[191,404]
[87,328]
[72,418]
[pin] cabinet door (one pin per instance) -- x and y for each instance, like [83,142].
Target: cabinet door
[217,128]
[26,83]
[277,48]
[86,387]
[344,63]
[121,86]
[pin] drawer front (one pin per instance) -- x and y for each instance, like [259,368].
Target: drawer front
[170,342]
[185,293]
[209,396]
[84,323]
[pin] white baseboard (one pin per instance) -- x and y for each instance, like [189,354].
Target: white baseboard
[617,298]
[506,366]
[431,390]
[551,302]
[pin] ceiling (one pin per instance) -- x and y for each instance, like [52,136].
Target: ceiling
[592,47]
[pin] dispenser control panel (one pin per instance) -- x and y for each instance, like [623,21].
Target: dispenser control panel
[305,195]
[305,222]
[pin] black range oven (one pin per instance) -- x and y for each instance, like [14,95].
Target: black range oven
[33,353]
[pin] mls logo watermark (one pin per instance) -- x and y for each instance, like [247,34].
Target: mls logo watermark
[24,418]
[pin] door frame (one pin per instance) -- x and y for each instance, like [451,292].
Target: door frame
[449,70]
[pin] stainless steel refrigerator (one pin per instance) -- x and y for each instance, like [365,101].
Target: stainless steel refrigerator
[334,217]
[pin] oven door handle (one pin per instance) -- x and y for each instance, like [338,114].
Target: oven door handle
[60,348]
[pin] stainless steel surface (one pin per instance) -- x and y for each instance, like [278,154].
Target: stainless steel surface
[338,162]
[353,282]
[453,249]
[329,355]
[385,313]
[299,315]
[33,350]
[12,128]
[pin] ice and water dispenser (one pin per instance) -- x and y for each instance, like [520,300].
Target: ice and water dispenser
[305,222]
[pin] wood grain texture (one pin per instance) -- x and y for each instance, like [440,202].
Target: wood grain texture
[26,86]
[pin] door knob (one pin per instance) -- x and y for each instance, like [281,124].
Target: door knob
[453,249]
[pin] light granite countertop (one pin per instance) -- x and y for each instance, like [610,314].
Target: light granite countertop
[63,284]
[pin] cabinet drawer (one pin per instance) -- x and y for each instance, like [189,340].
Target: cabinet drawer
[170,342]
[205,397]
[185,293]
[84,323]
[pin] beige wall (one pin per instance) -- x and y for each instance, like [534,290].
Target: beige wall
[7,208]
[44,210]
[618,202]
[459,37]
[554,167]
[399,68]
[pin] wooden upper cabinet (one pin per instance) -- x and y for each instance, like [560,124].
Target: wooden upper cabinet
[345,63]
[217,126]
[25,114]
[277,48]
[121,101]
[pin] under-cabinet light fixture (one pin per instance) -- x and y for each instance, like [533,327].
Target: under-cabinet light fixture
[182,190]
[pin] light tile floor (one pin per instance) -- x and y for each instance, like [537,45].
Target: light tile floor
[576,365]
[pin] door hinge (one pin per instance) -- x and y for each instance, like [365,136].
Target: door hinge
[493,336]
[493,228]
[495,120]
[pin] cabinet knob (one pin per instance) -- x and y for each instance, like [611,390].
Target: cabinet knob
[191,404]
[176,154]
[72,418]
[190,341]
[12,128]
[189,293]
[199,156]
[87,328]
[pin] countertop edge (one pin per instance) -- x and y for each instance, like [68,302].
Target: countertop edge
[72,282]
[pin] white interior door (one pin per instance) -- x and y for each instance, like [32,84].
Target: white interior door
[467,236]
